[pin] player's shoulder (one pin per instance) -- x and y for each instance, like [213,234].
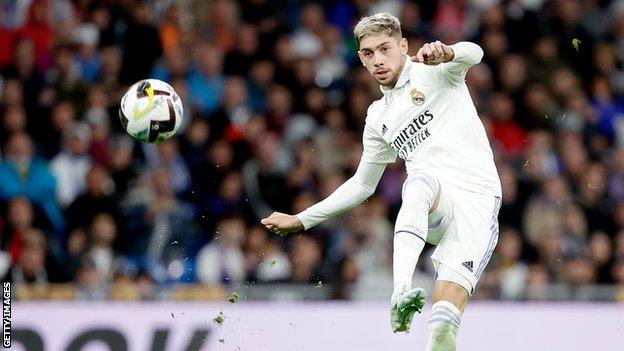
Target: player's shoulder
[423,75]
[375,110]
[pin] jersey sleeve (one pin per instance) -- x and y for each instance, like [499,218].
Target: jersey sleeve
[466,55]
[350,194]
[376,150]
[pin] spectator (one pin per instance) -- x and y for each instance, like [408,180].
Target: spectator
[141,44]
[13,121]
[22,173]
[206,79]
[30,266]
[224,22]
[167,156]
[89,284]
[110,69]
[599,251]
[63,115]
[265,260]
[19,223]
[222,261]
[23,68]
[102,233]
[537,283]
[37,28]
[512,202]
[228,120]
[513,272]
[161,227]
[347,276]
[175,65]
[170,30]
[543,211]
[65,78]
[98,121]
[306,41]
[504,127]
[219,162]
[95,199]
[121,163]
[305,259]
[70,166]
[574,231]
[12,94]
[87,37]
[244,52]
[229,199]
[194,143]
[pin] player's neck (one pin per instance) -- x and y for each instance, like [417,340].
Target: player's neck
[393,83]
[390,86]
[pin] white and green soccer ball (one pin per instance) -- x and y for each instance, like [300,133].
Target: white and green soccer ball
[151,111]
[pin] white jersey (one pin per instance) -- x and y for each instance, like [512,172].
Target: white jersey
[429,120]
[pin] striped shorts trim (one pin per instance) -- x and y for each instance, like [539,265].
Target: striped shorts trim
[493,239]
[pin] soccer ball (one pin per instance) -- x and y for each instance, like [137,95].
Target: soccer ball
[151,111]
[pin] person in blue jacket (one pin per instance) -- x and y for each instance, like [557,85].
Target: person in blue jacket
[24,174]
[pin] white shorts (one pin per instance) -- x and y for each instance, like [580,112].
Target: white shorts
[465,236]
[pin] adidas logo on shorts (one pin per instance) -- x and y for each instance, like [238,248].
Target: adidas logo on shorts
[468,265]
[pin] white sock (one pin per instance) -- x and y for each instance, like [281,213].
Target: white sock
[407,249]
[443,324]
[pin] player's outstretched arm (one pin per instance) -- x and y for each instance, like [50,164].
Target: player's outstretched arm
[350,194]
[455,59]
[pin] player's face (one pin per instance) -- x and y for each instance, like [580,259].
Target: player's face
[384,57]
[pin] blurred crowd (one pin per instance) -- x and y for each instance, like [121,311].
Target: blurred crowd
[275,101]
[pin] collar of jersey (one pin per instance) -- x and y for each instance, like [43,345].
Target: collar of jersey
[404,77]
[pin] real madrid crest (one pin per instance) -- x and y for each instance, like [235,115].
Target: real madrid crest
[418,98]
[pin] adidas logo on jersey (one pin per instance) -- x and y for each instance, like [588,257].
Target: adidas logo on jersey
[384,129]
[468,265]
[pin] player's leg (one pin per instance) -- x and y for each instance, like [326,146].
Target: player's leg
[421,195]
[460,258]
[449,300]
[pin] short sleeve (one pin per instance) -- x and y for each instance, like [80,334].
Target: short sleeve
[376,150]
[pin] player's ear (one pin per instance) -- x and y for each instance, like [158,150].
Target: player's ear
[404,46]
[361,56]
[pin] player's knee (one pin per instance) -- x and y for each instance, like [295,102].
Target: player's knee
[421,188]
[451,291]
[452,286]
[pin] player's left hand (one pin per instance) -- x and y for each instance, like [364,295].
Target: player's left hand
[434,53]
[282,224]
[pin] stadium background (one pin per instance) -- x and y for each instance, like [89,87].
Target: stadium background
[275,102]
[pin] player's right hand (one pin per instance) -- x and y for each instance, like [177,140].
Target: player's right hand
[434,53]
[282,224]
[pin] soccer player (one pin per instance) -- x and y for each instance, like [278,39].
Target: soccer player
[452,193]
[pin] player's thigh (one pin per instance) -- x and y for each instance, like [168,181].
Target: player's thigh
[419,195]
[467,245]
